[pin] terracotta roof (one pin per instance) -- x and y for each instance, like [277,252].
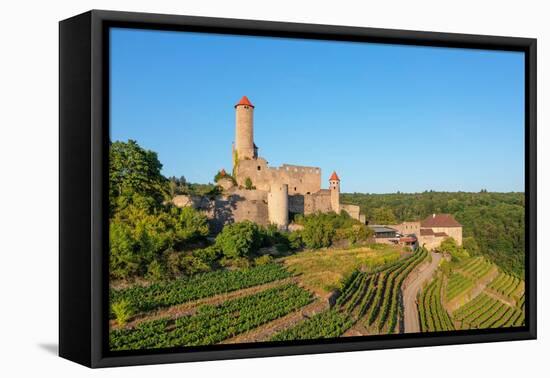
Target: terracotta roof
[440,220]
[440,234]
[334,177]
[222,172]
[244,101]
[407,239]
[426,231]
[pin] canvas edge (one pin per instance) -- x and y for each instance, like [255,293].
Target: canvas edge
[94,323]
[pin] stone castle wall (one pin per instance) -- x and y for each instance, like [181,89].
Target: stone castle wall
[352,210]
[237,206]
[309,203]
[300,179]
[430,242]
[407,228]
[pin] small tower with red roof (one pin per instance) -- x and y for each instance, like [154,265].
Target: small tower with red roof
[334,186]
[244,131]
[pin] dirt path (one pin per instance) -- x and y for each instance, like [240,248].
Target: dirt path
[411,289]
[496,295]
[358,329]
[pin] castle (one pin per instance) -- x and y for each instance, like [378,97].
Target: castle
[264,194]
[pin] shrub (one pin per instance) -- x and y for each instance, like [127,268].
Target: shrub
[237,262]
[282,247]
[263,260]
[180,263]
[222,174]
[248,184]
[173,263]
[156,271]
[450,246]
[239,239]
[191,265]
[123,311]
[208,255]
[295,240]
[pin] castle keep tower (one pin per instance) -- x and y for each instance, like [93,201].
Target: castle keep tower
[244,130]
[334,186]
[277,204]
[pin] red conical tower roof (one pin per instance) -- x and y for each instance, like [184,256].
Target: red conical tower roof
[244,101]
[334,177]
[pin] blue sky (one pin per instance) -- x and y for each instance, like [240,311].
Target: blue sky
[387,118]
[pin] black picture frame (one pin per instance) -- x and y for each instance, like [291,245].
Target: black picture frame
[83,181]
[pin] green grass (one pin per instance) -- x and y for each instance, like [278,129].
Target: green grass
[323,270]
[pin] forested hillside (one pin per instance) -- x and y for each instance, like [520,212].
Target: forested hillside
[493,222]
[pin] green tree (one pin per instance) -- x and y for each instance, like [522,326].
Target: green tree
[134,170]
[177,185]
[449,245]
[239,239]
[470,244]
[383,215]
[124,260]
[318,232]
[358,233]
[190,224]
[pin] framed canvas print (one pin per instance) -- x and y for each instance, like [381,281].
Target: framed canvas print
[234,188]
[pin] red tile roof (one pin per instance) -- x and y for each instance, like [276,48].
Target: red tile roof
[426,231]
[440,220]
[441,234]
[407,239]
[334,177]
[244,101]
